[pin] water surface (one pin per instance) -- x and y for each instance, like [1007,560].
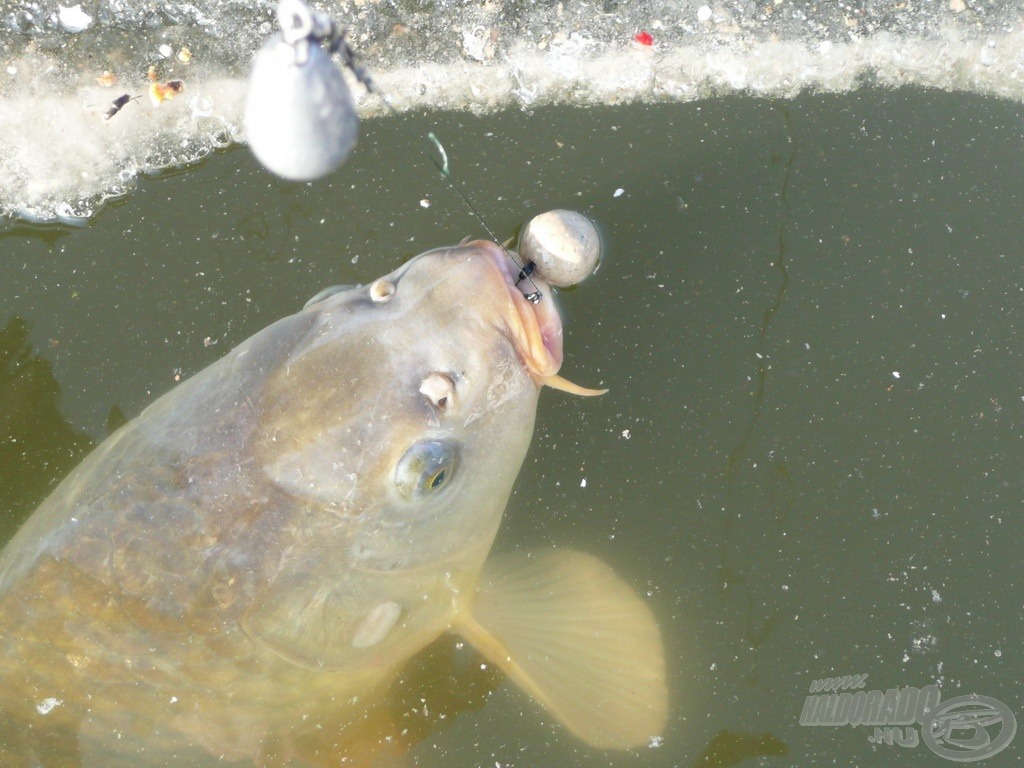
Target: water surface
[809,320]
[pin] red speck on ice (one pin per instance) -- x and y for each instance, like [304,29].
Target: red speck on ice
[644,38]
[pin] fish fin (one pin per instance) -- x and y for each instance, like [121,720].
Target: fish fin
[558,382]
[307,627]
[574,636]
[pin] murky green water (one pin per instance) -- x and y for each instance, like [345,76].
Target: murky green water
[810,323]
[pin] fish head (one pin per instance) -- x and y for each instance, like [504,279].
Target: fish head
[393,434]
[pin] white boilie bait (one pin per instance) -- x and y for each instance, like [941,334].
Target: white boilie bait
[563,247]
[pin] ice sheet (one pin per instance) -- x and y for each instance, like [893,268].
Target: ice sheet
[62,67]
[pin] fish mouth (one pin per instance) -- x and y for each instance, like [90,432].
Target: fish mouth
[537,336]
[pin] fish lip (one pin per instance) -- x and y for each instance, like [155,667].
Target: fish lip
[538,337]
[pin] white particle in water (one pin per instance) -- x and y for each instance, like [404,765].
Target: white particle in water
[936,597]
[655,742]
[704,13]
[998,653]
[895,374]
[618,192]
[583,483]
[46,706]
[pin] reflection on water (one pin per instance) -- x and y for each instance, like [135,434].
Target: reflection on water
[733,573]
[37,444]
[728,748]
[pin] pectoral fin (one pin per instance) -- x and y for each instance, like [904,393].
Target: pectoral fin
[573,635]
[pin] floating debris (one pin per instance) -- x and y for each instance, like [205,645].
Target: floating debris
[160,92]
[118,104]
[73,18]
[47,705]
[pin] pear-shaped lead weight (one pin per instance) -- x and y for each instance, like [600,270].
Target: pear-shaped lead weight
[299,117]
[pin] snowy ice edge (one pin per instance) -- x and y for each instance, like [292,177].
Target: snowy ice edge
[59,160]
[578,73]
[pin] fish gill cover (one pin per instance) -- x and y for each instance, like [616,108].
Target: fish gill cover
[73,135]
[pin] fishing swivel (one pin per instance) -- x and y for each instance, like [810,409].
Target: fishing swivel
[302,26]
[524,274]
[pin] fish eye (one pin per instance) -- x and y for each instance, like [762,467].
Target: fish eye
[426,468]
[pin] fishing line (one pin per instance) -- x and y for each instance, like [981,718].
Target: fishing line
[340,45]
[315,89]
